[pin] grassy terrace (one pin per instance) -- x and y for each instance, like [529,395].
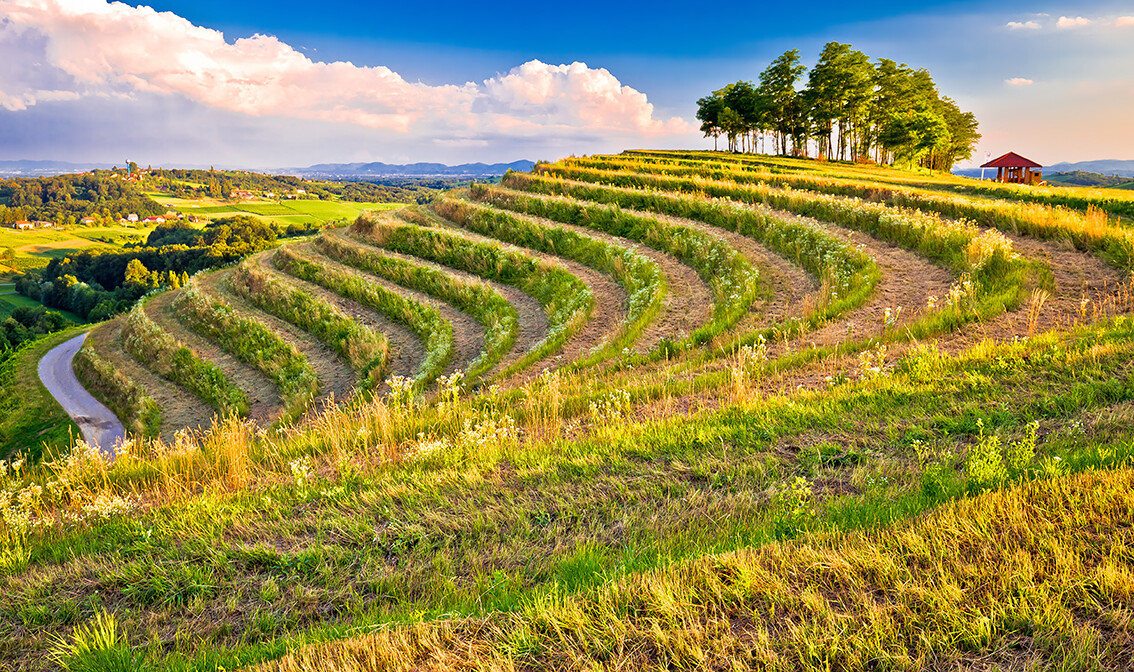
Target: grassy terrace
[828,483]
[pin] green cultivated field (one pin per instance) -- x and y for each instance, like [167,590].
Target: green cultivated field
[658,410]
[286,212]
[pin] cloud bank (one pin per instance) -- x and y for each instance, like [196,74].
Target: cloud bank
[69,49]
[1069,22]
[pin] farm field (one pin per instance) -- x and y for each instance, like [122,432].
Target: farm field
[35,248]
[9,302]
[285,212]
[655,410]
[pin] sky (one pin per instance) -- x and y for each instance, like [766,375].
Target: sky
[288,84]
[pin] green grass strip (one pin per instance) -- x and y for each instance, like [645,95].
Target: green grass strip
[424,320]
[639,275]
[364,349]
[253,343]
[734,282]
[158,350]
[500,320]
[566,300]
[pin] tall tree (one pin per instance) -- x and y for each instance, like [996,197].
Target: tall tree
[778,91]
[709,113]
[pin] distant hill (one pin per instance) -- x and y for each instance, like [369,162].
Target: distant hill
[25,168]
[1082,178]
[1105,167]
[378,169]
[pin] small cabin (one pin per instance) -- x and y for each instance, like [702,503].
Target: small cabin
[1015,169]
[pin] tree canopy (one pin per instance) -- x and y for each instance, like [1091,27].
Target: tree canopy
[848,108]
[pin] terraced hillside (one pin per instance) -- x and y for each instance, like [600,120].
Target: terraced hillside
[654,410]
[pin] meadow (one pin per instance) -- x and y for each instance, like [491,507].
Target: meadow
[283,212]
[659,410]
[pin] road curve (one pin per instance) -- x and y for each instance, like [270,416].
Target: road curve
[99,425]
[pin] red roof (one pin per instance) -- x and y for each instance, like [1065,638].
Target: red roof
[1011,160]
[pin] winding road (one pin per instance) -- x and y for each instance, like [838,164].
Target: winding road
[100,427]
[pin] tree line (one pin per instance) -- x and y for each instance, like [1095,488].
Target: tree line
[846,108]
[100,283]
[65,199]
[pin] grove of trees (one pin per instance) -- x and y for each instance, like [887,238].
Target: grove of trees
[100,283]
[65,199]
[845,108]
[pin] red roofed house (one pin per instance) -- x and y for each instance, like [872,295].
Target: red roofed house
[1015,169]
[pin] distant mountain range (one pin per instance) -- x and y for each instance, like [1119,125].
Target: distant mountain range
[38,168]
[1105,167]
[1124,168]
[378,169]
[339,171]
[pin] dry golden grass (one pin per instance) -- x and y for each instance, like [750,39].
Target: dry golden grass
[1036,577]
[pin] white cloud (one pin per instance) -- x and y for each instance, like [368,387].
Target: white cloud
[1019,81]
[1068,22]
[1023,25]
[1124,21]
[113,48]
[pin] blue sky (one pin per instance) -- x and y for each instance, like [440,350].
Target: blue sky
[252,83]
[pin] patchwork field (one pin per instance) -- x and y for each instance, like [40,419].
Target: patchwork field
[659,410]
[285,212]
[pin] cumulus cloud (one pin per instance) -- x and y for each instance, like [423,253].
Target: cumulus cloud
[1019,81]
[1124,21]
[1068,22]
[1023,25]
[106,48]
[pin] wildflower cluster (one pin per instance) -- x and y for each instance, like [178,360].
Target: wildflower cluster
[491,432]
[610,408]
[401,392]
[449,390]
[962,294]
[872,363]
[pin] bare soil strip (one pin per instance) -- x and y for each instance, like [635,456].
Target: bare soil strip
[468,334]
[406,349]
[336,379]
[179,408]
[1086,289]
[687,306]
[607,316]
[791,286]
[533,320]
[265,404]
[908,280]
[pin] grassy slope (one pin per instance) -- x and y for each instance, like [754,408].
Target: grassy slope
[1008,579]
[641,545]
[30,418]
[486,527]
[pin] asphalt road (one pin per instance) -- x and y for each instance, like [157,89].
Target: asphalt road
[99,425]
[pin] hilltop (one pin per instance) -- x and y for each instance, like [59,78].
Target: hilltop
[660,409]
